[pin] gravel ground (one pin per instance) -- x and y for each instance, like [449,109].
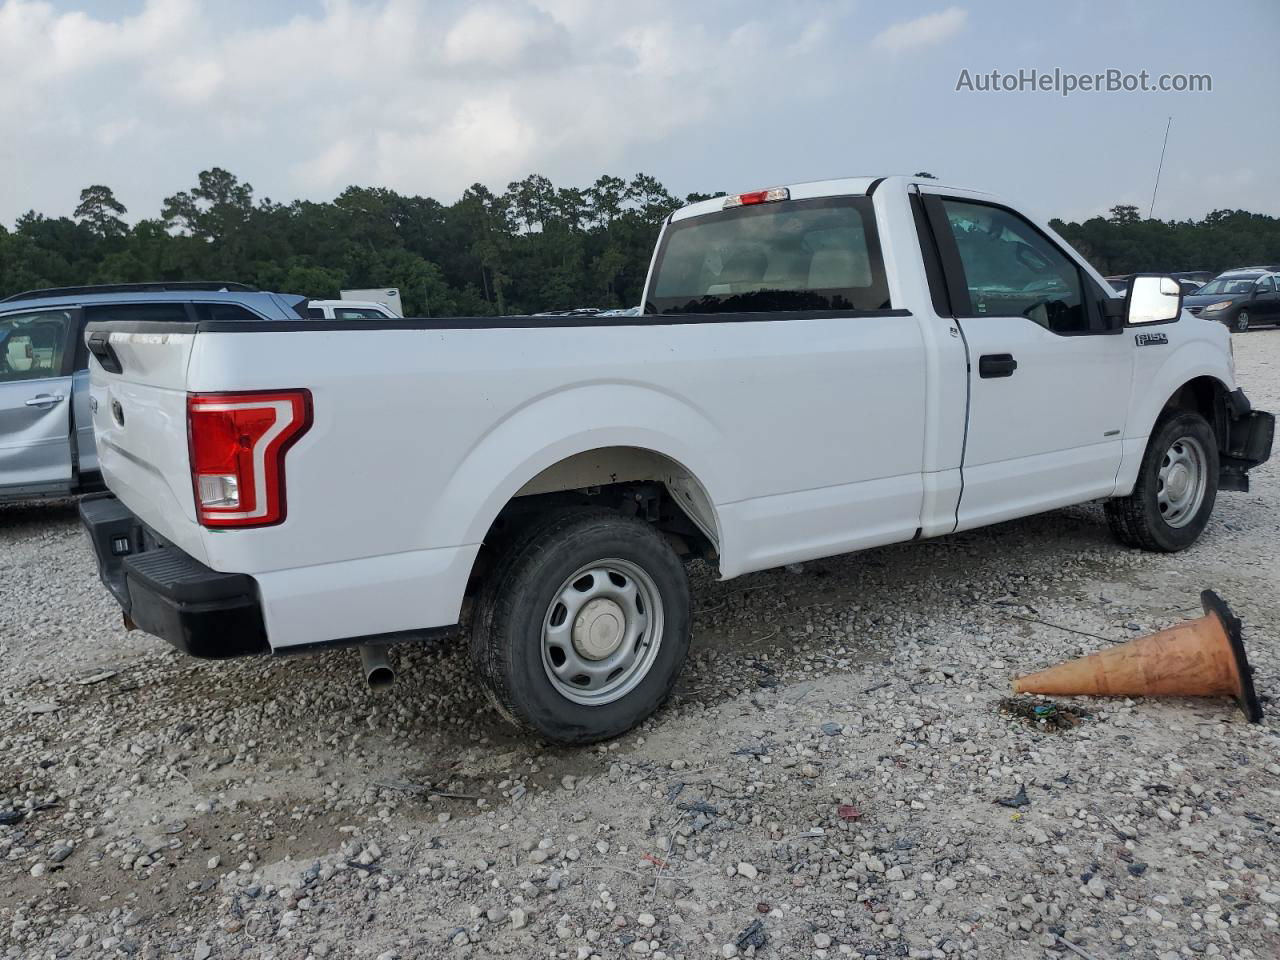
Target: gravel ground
[834,778]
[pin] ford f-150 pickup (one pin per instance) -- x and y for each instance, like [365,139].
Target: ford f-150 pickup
[818,369]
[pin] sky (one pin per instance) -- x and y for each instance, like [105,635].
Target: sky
[302,98]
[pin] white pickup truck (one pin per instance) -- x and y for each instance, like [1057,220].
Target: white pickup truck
[818,369]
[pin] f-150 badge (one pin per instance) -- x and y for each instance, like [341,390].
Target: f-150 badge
[1149,339]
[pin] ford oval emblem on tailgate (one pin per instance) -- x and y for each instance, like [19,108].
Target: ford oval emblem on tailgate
[117,412]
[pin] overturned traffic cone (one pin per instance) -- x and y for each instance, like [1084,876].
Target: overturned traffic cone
[1199,658]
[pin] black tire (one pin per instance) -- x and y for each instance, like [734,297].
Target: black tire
[1137,520]
[507,633]
[1241,323]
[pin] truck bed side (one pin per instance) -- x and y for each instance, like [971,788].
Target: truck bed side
[423,430]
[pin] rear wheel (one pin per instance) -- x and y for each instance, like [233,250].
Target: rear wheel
[1241,322]
[1176,488]
[583,626]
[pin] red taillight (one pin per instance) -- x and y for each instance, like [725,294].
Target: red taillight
[758,196]
[237,443]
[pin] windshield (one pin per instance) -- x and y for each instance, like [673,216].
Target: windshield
[1227,285]
[819,254]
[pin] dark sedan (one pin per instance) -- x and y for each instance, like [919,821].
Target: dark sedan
[1239,299]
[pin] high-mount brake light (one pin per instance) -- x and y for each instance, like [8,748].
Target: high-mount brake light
[759,196]
[237,443]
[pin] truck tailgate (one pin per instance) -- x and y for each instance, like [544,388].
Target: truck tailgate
[140,419]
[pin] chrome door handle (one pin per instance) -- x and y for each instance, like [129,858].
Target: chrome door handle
[45,400]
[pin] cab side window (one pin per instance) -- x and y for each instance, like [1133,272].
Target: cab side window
[1012,270]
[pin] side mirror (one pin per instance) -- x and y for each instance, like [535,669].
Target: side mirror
[1152,299]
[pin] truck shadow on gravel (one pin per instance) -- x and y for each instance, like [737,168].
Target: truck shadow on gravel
[36,517]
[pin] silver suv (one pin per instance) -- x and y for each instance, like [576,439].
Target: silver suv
[46,432]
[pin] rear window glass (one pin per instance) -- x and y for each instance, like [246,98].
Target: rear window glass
[819,254]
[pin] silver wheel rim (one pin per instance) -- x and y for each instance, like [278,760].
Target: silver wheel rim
[1181,482]
[1242,320]
[602,632]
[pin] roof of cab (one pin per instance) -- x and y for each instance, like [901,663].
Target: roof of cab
[842,186]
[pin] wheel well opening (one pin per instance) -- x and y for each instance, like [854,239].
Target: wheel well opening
[1205,396]
[631,480]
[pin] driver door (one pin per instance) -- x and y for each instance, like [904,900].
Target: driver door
[1048,381]
[36,354]
[1266,301]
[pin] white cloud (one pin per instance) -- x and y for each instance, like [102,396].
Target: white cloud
[504,37]
[339,160]
[193,82]
[75,42]
[420,95]
[430,96]
[113,131]
[924,31]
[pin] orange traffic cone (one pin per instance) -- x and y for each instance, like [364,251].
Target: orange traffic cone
[1199,658]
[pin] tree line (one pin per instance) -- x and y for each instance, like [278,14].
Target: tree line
[1124,242]
[534,247]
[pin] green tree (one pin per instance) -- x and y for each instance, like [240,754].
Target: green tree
[218,207]
[605,198]
[1124,213]
[101,211]
[532,201]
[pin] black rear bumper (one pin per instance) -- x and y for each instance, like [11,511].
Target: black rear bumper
[167,592]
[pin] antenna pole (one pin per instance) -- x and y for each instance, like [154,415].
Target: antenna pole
[1159,167]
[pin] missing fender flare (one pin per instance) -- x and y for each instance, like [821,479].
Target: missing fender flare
[1247,444]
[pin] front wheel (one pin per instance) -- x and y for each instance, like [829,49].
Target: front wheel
[1241,322]
[582,628]
[1176,488]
